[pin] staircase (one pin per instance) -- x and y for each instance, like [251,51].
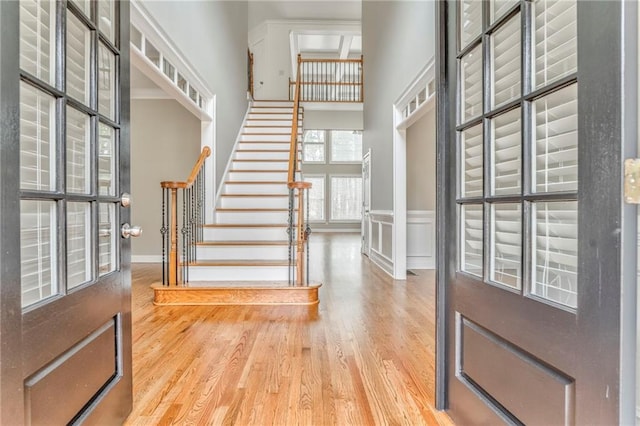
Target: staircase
[248,241]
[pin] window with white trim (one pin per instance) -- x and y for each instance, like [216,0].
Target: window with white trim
[346,198]
[313,146]
[316,197]
[346,146]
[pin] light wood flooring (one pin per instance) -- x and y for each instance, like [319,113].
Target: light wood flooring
[364,356]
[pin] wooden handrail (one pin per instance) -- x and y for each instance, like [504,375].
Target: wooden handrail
[293,149]
[171,188]
[206,152]
[334,60]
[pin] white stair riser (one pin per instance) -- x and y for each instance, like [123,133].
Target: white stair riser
[279,218]
[243,252]
[266,122]
[275,102]
[275,188]
[258,177]
[264,145]
[245,234]
[269,130]
[278,109]
[254,202]
[273,155]
[238,273]
[267,138]
[260,165]
[256,115]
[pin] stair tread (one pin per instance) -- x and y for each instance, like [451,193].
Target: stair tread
[254,195]
[262,160]
[257,171]
[255,182]
[240,262]
[250,209]
[244,225]
[243,243]
[262,150]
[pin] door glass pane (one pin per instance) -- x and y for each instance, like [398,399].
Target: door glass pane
[106,19]
[556,141]
[471,162]
[505,55]
[471,85]
[106,82]
[346,198]
[106,160]
[38,250]
[37,39]
[78,244]
[470,246]
[497,8]
[506,244]
[555,252]
[78,152]
[555,40]
[84,5]
[506,153]
[470,21]
[107,238]
[78,46]
[37,139]
[316,198]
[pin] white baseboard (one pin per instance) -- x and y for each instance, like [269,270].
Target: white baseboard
[146,259]
[382,262]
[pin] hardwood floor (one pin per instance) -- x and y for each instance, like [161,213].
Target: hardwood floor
[364,356]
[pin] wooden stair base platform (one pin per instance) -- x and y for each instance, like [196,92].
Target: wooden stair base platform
[243,293]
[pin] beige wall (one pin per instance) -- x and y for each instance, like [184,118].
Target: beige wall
[421,163]
[398,40]
[165,143]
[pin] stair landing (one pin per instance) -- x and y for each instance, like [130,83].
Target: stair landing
[236,293]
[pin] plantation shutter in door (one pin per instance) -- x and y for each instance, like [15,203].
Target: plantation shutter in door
[73,166]
[530,136]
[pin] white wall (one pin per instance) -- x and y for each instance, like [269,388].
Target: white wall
[259,11]
[273,65]
[398,41]
[421,163]
[336,120]
[212,35]
[165,144]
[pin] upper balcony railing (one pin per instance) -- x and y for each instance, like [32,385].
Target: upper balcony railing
[329,80]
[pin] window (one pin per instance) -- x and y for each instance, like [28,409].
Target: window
[313,142]
[316,197]
[346,198]
[346,146]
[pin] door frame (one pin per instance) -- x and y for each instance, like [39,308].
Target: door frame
[366,219]
[11,385]
[615,36]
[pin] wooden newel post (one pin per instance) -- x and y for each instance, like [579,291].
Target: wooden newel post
[301,234]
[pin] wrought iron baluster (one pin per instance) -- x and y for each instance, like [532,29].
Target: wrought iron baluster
[163,233]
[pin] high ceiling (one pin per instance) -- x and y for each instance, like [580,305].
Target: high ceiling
[344,10]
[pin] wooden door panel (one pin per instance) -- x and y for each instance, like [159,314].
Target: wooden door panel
[543,349]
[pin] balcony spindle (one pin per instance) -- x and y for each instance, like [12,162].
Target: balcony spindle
[192,214]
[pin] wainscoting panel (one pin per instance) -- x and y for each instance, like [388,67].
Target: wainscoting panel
[382,239]
[421,239]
